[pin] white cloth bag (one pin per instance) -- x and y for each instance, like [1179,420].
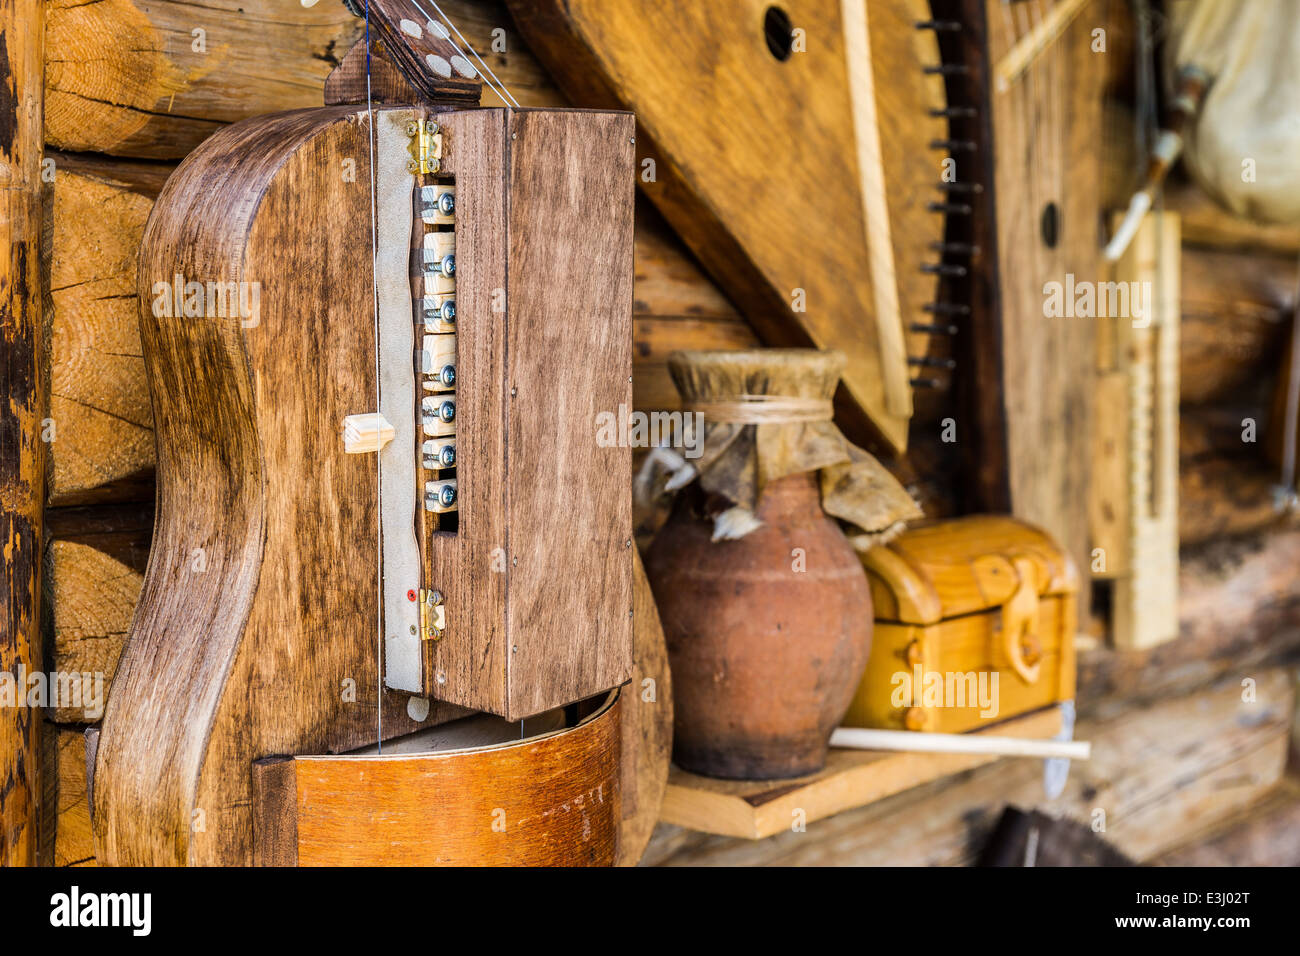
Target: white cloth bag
[1244,147]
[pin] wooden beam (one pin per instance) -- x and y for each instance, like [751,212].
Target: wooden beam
[136,78]
[153,78]
[99,396]
[23,391]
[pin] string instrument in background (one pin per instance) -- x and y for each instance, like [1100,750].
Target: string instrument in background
[377,341]
[1024,96]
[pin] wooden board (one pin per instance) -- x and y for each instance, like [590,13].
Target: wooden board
[647,725]
[549,800]
[852,778]
[538,610]
[297,653]
[758,166]
[1135,511]
[1162,774]
[23,428]
[1027,385]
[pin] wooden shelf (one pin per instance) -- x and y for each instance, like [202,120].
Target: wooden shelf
[754,809]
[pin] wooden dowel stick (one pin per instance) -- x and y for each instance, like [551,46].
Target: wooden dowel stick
[859,738]
[1028,48]
[22,450]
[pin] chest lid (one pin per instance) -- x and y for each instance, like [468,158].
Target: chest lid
[962,566]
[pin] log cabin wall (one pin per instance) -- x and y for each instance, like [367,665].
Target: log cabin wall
[131,87]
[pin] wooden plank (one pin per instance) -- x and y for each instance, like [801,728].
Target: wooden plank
[1266,834]
[23,433]
[275,817]
[66,835]
[1161,774]
[852,778]
[570,302]
[1144,598]
[768,239]
[470,664]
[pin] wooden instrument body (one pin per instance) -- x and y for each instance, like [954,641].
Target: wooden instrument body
[552,799]
[257,632]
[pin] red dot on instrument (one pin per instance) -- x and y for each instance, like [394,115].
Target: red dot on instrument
[410,595]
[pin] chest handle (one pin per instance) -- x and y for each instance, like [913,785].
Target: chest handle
[1020,622]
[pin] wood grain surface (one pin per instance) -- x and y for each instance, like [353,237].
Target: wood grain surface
[23,433]
[240,647]
[1027,387]
[551,800]
[1163,773]
[155,79]
[539,611]
[647,725]
[755,167]
[755,809]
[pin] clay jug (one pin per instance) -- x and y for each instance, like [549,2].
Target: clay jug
[767,635]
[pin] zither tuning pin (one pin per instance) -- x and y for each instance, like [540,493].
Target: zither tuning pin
[929,329]
[954,145]
[943,269]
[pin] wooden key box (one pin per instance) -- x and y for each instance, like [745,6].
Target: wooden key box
[975,623]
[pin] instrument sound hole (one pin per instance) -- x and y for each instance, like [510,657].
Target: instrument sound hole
[1050,225]
[779,32]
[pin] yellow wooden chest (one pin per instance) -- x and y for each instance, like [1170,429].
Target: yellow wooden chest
[975,623]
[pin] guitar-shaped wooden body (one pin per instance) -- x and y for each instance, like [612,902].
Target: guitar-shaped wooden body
[305,598]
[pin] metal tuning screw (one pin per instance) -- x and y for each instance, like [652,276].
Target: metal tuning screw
[446,266]
[437,204]
[447,375]
[439,314]
[439,455]
[440,495]
[447,411]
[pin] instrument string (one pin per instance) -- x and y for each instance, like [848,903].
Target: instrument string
[379,488]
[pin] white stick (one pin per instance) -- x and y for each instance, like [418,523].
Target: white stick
[859,738]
